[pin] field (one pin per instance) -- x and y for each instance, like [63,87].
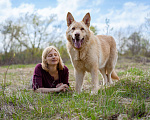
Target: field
[128,98]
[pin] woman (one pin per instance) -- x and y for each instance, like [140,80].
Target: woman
[51,75]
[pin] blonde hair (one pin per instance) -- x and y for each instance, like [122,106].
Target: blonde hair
[46,51]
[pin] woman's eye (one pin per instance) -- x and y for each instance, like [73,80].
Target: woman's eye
[73,28]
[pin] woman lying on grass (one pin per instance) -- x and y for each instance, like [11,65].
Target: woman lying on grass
[51,75]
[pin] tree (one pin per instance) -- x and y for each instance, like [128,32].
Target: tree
[37,31]
[26,36]
[137,45]
[10,33]
[108,29]
[147,23]
[94,29]
[134,43]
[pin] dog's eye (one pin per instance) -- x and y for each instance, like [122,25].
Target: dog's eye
[82,28]
[73,28]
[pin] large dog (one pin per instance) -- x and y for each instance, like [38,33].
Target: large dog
[90,53]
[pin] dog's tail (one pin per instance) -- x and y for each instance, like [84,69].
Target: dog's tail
[114,75]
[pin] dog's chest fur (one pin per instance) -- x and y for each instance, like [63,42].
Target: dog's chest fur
[83,60]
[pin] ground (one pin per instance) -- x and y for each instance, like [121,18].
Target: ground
[17,78]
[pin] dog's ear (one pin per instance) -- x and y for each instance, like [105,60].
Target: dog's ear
[70,19]
[87,19]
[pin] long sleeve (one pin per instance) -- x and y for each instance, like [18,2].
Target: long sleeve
[65,76]
[37,77]
[42,79]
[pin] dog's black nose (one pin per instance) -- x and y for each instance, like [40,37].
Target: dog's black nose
[77,35]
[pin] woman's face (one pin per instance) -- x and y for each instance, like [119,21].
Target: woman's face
[52,58]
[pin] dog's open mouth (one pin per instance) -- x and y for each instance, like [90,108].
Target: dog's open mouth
[77,42]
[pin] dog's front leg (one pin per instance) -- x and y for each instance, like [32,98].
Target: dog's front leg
[94,74]
[79,75]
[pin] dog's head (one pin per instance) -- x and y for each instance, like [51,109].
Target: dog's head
[78,33]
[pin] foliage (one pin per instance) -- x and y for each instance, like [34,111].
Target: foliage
[134,45]
[30,34]
[137,44]
[94,29]
[27,37]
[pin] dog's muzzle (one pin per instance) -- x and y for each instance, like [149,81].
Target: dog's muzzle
[77,41]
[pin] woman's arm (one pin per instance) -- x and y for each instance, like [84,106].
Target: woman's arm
[45,90]
[63,87]
[37,77]
[65,76]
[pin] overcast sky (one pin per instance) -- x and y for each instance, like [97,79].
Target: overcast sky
[122,13]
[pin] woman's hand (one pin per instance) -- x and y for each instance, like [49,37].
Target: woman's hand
[58,85]
[61,87]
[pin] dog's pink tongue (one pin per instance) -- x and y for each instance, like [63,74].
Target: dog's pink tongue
[77,44]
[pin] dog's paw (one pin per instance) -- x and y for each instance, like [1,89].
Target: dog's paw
[78,91]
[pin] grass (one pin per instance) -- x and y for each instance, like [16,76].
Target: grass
[19,66]
[128,98]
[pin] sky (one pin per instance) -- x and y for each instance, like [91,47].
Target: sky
[121,13]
